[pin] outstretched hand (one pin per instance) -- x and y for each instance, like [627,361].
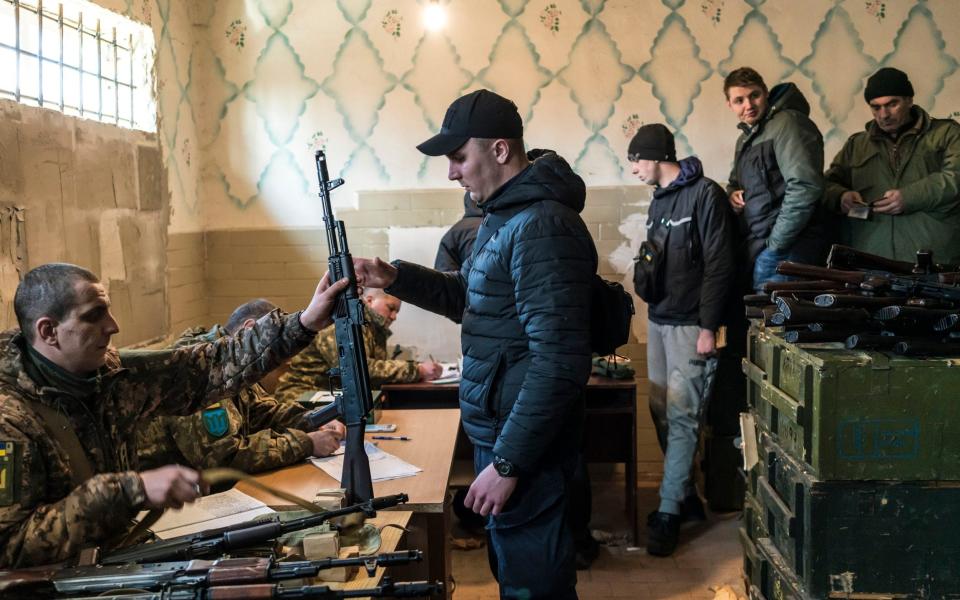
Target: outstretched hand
[316,316]
[374,273]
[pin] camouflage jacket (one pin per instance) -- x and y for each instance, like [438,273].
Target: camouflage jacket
[308,370]
[250,431]
[44,517]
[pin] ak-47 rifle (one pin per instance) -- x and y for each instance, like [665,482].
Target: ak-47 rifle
[416,589]
[215,542]
[922,286]
[845,257]
[101,579]
[354,399]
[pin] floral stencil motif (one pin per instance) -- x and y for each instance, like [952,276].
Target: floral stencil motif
[631,125]
[876,8]
[712,9]
[550,18]
[185,150]
[317,141]
[237,33]
[391,23]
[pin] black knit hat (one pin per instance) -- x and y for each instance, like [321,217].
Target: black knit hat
[652,142]
[888,82]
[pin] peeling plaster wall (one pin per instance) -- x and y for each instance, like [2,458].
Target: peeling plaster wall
[78,191]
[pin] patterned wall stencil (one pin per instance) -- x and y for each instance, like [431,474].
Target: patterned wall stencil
[247,87]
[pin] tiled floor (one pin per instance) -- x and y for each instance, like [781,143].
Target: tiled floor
[708,557]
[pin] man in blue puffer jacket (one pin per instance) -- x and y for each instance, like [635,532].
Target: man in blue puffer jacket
[524,299]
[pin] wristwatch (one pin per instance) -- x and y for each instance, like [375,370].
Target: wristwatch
[504,467]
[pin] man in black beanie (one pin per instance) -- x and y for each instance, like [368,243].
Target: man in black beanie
[898,182]
[692,226]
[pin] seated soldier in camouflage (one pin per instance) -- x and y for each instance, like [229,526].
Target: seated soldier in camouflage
[251,431]
[61,382]
[308,370]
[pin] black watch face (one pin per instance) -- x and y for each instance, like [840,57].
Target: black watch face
[503,467]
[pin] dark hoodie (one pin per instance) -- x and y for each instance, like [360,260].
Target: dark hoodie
[699,267]
[779,167]
[524,297]
[457,242]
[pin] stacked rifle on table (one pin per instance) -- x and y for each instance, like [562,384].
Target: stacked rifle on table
[866,302]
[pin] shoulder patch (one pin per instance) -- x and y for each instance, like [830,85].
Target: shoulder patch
[216,420]
[8,473]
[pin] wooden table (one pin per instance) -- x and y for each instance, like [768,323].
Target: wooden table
[434,434]
[610,431]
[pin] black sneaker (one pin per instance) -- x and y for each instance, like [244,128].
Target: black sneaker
[663,529]
[691,509]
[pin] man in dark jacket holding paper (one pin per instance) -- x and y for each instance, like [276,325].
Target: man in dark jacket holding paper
[693,226]
[524,298]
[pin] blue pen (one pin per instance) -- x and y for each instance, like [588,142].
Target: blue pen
[393,437]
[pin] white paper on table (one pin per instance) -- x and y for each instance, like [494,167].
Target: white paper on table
[383,466]
[209,512]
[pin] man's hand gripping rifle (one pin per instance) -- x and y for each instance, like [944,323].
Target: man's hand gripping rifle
[354,399]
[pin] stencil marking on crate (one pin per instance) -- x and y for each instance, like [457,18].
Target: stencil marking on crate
[878,439]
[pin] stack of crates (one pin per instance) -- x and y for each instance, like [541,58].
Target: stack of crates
[856,493]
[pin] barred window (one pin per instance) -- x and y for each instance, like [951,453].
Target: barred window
[78,58]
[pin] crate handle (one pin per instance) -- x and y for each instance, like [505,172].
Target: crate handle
[772,502]
[782,401]
[752,371]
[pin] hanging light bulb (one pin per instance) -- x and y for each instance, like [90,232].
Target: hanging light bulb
[434,16]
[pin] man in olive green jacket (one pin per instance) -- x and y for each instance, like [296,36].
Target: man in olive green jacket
[777,179]
[898,181]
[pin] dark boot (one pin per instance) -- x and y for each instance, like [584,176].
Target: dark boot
[663,531]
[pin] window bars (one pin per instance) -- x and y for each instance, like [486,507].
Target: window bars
[76,64]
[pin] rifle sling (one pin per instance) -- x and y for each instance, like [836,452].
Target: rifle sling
[59,428]
[224,475]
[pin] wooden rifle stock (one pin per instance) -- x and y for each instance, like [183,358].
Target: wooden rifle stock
[871,341]
[799,311]
[852,301]
[800,286]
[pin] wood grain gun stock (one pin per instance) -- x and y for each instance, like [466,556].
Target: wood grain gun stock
[845,257]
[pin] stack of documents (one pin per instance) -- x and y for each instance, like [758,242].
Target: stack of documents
[383,466]
[210,512]
[450,374]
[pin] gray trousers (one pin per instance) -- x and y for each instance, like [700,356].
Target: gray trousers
[680,384]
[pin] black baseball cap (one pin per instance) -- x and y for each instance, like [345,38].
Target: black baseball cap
[479,114]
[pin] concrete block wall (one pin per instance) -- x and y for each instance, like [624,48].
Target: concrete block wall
[186,280]
[74,190]
[284,266]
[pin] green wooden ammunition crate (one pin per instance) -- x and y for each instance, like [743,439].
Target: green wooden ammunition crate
[754,518]
[777,579]
[854,415]
[844,538]
[752,563]
[766,572]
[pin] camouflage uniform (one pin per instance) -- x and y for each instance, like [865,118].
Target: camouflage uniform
[251,431]
[308,370]
[44,517]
